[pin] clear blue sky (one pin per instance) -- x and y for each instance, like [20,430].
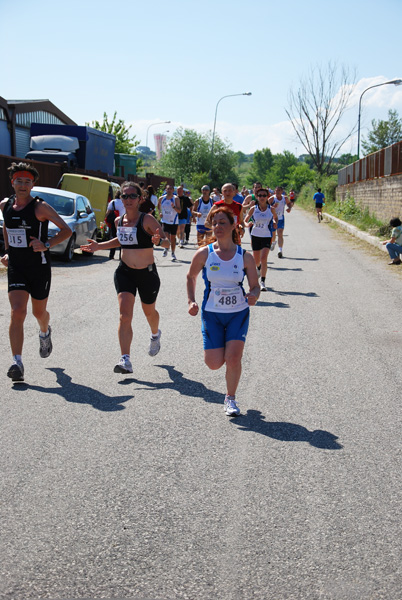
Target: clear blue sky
[173,60]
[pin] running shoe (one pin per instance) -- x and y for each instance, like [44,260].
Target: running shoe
[155,344]
[273,245]
[259,270]
[124,365]
[164,253]
[16,371]
[174,257]
[263,287]
[181,245]
[45,344]
[230,406]
[280,255]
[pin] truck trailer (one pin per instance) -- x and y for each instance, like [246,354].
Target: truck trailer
[79,146]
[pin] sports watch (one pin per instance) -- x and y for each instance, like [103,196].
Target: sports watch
[47,245]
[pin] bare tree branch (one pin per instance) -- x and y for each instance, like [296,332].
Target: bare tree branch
[316,109]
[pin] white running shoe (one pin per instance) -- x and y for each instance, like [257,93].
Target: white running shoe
[16,371]
[174,257]
[273,245]
[230,406]
[263,287]
[164,253]
[155,344]
[45,344]
[124,365]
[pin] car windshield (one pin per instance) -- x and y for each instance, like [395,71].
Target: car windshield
[61,204]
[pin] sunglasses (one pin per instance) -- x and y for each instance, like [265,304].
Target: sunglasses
[126,196]
[262,195]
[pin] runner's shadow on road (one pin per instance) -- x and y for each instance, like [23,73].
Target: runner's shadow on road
[274,304]
[300,258]
[306,294]
[179,383]
[284,269]
[77,393]
[254,421]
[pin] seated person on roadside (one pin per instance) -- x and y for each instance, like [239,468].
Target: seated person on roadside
[394,245]
[27,246]
[137,233]
[228,193]
[201,209]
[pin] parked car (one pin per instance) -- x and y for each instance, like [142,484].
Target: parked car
[76,212]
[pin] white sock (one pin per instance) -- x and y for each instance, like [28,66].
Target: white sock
[17,358]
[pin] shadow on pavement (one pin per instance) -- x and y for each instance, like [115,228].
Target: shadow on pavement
[300,258]
[178,383]
[275,304]
[282,293]
[254,421]
[77,393]
[79,260]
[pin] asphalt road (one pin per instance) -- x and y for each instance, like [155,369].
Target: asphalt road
[140,486]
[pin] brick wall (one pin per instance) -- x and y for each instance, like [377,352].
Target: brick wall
[383,197]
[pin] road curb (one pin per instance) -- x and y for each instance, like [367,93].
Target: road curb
[366,237]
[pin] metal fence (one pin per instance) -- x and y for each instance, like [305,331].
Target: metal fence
[384,163]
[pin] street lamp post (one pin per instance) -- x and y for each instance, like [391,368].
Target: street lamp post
[213,134]
[152,124]
[394,82]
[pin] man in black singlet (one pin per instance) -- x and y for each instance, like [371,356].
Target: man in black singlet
[26,255]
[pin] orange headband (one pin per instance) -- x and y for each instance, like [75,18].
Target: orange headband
[26,174]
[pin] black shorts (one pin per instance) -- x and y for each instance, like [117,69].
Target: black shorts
[33,279]
[169,228]
[146,281]
[258,243]
[318,205]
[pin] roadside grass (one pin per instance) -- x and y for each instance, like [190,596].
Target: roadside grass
[348,210]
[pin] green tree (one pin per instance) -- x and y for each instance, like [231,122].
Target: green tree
[278,174]
[299,175]
[383,133]
[188,158]
[125,143]
[262,163]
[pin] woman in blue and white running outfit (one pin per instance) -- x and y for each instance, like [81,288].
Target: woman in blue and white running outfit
[225,309]
[262,217]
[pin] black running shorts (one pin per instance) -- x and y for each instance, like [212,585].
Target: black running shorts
[146,281]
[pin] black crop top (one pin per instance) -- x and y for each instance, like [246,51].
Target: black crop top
[135,237]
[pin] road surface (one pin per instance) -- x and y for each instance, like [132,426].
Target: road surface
[140,486]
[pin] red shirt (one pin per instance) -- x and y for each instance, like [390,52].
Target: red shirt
[235,207]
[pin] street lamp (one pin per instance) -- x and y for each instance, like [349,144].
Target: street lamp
[394,82]
[213,134]
[152,124]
